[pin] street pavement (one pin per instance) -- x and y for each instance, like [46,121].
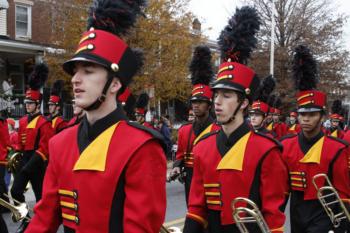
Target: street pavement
[176,208]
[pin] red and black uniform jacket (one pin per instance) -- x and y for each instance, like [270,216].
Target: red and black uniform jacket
[4,141]
[108,177]
[280,129]
[246,164]
[74,121]
[34,134]
[307,158]
[148,125]
[57,123]
[263,130]
[188,135]
[335,132]
[293,129]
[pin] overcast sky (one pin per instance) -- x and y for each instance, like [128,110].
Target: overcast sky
[215,13]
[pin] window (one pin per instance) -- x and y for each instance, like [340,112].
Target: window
[23,21]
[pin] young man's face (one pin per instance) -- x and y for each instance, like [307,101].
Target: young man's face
[31,107]
[200,108]
[292,119]
[256,119]
[52,109]
[309,121]
[225,102]
[88,82]
[276,118]
[334,123]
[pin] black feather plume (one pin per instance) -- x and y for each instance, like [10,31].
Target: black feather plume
[266,88]
[238,40]
[38,76]
[305,70]
[57,87]
[130,105]
[271,100]
[142,101]
[115,16]
[336,107]
[140,59]
[278,102]
[201,68]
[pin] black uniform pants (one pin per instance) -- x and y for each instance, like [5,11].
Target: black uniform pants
[22,177]
[309,216]
[3,187]
[188,180]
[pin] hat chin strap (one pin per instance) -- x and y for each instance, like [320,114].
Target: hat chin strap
[95,105]
[233,117]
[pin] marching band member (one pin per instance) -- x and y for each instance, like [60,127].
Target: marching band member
[54,104]
[335,130]
[34,133]
[312,152]
[235,161]
[106,174]
[260,109]
[293,127]
[140,110]
[201,102]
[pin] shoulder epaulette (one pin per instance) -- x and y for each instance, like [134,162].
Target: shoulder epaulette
[155,134]
[271,139]
[207,135]
[288,136]
[338,140]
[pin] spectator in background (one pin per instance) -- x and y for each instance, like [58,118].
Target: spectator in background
[166,132]
[7,87]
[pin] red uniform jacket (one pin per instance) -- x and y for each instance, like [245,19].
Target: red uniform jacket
[328,155]
[186,140]
[57,124]
[14,140]
[337,133]
[148,125]
[4,141]
[252,168]
[35,135]
[117,183]
[280,129]
[293,129]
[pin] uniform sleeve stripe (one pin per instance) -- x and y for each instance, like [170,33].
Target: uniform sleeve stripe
[42,155]
[278,229]
[198,219]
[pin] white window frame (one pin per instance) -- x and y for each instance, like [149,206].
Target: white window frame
[29,24]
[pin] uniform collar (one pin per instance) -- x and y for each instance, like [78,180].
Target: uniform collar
[306,144]
[224,143]
[87,133]
[31,117]
[198,127]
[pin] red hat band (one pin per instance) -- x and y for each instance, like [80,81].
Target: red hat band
[201,92]
[140,111]
[311,99]
[235,76]
[54,99]
[33,95]
[335,116]
[276,111]
[106,49]
[260,106]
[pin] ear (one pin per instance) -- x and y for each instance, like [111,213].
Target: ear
[244,104]
[115,86]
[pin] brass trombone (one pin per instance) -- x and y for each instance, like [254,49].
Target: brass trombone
[163,229]
[18,212]
[13,160]
[328,196]
[248,214]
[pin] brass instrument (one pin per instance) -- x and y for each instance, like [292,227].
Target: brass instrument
[328,196]
[248,214]
[163,229]
[13,160]
[18,212]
